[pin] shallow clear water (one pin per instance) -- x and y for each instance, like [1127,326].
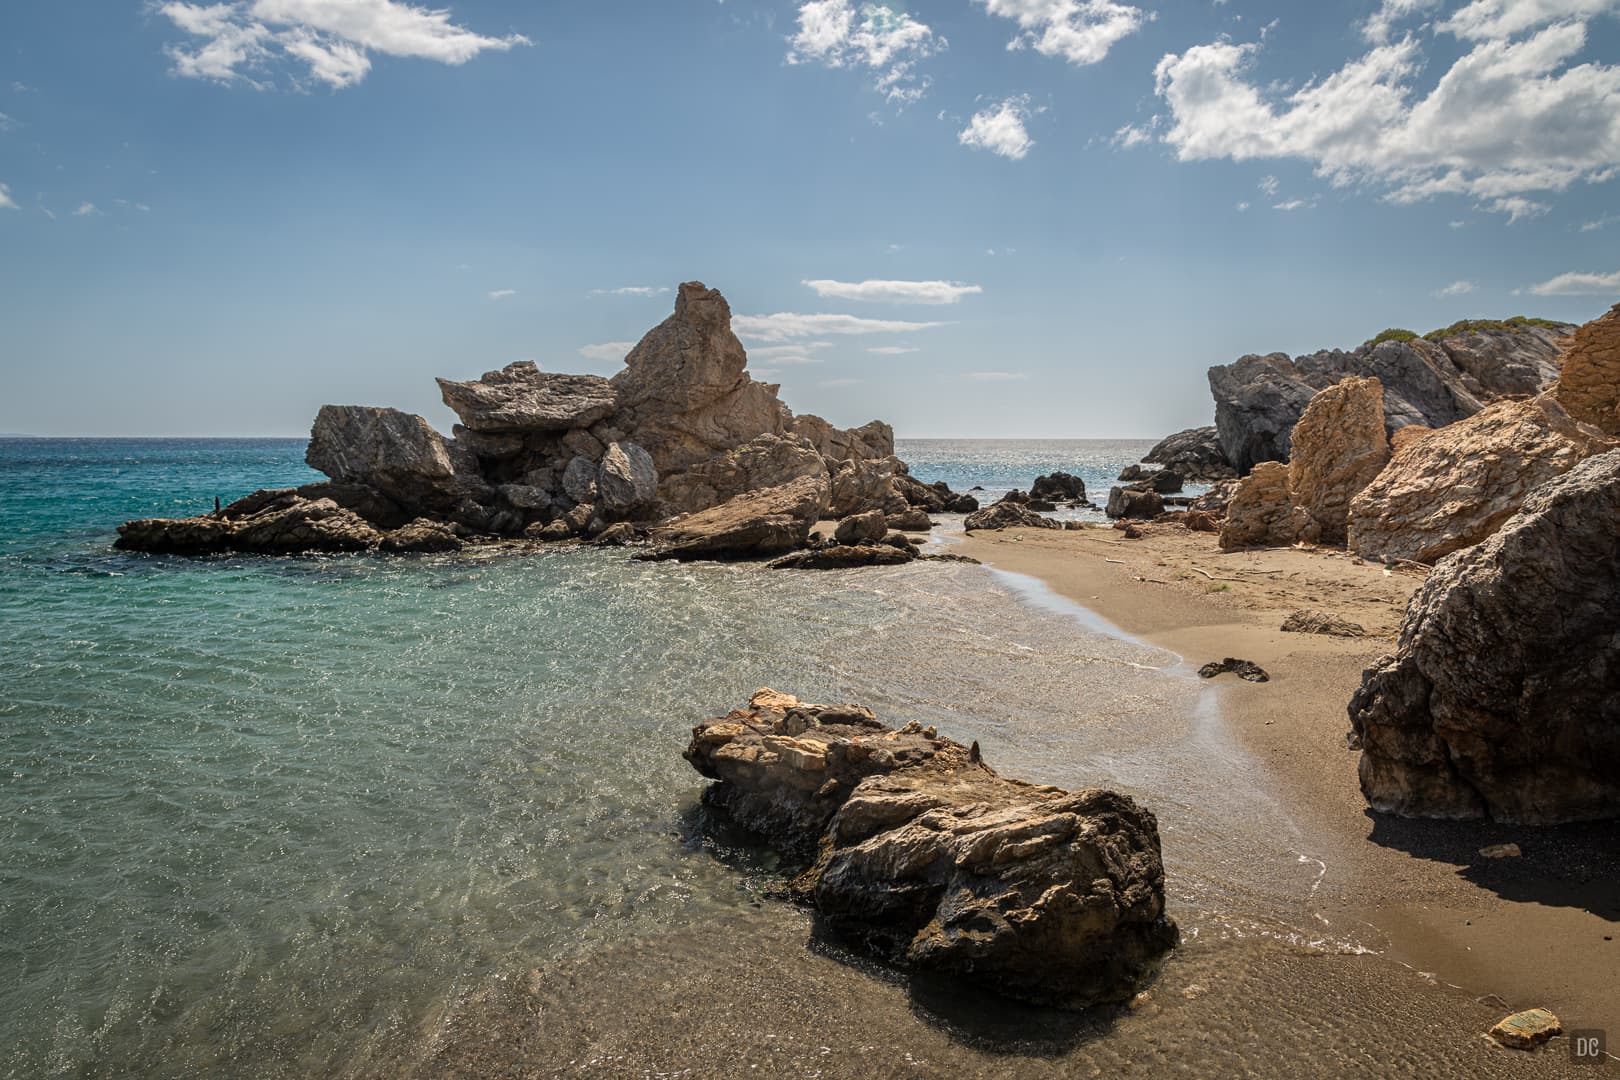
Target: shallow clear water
[263,816]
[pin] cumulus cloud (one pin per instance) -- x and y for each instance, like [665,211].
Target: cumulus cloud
[607,350]
[244,40]
[889,43]
[896,292]
[1457,288]
[632,290]
[1079,31]
[1000,129]
[1381,23]
[6,202]
[787,325]
[501,294]
[1509,117]
[1578,284]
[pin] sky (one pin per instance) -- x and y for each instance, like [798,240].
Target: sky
[974,218]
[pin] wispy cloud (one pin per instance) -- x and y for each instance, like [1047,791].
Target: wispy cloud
[886,41]
[1079,31]
[1381,23]
[7,123]
[1000,129]
[1268,185]
[893,350]
[501,294]
[246,40]
[607,350]
[632,290]
[1579,284]
[1457,288]
[1292,204]
[1600,223]
[895,292]
[787,325]
[995,376]
[6,202]
[86,209]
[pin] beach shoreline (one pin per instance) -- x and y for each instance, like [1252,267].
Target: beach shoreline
[1536,930]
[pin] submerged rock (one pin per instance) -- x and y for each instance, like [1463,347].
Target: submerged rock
[266,522]
[1503,695]
[928,859]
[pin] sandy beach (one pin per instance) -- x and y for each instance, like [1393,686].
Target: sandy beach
[1536,930]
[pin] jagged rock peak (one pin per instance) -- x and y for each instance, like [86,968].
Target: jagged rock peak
[687,360]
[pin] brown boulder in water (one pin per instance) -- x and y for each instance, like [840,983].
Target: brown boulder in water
[764,522]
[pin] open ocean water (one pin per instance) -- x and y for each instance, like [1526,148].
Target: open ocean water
[283,817]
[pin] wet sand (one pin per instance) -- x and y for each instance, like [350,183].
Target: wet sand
[1539,930]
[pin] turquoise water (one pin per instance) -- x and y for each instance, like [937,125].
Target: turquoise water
[270,817]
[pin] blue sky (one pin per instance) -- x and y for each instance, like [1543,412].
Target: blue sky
[969,217]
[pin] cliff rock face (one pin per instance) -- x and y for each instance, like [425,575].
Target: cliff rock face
[1590,385]
[873,440]
[1454,487]
[1194,454]
[1503,696]
[1259,399]
[930,860]
[1339,448]
[522,398]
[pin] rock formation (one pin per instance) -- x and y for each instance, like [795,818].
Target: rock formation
[395,453]
[521,399]
[1194,454]
[1340,446]
[1259,399]
[1058,487]
[1132,502]
[872,525]
[928,859]
[1590,384]
[1455,486]
[1007,514]
[873,440]
[755,523]
[1503,695]
[1261,513]
[281,522]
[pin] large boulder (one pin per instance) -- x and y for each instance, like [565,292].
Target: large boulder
[1134,502]
[1261,513]
[1259,399]
[755,523]
[1195,454]
[868,526]
[1457,485]
[1058,487]
[1590,384]
[276,522]
[873,440]
[1503,695]
[1340,446]
[626,482]
[1007,514]
[684,394]
[522,398]
[762,462]
[394,452]
[928,859]
[861,485]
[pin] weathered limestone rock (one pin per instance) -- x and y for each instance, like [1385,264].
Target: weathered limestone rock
[1590,385]
[1503,695]
[525,496]
[1058,487]
[1527,1030]
[928,859]
[522,398]
[859,486]
[421,535]
[1130,502]
[267,522]
[175,536]
[1007,514]
[871,525]
[626,482]
[1321,622]
[756,523]
[684,395]
[396,453]
[1408,435]
[1194,454]
[762,462]
[1261,513]
[1339,447]
[844,557]
[579,479]
[873,440]
[912,521]
[1259,399]
[1456,486]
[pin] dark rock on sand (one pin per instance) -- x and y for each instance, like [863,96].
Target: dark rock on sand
[1503,695]
[928,859]
[1243,669]
[1008,514]
[1320,622]
[1128,502]
[912,521]
[1528,1029]
[871,525]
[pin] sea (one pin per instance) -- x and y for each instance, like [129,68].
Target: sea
[428,815]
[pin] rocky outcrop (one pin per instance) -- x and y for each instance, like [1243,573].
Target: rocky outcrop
[626,481]
[1408,435]
[859,486]
[1261,513]
[523,399]
[393,452]
[873,440]
[846,556]
[1259,399]
[1132,502]
[281,522]
[762,462]
[1340,446]
[1007,514]
[764,522]
[1503,695]
[1456,486]
[1590,385]
[872,525]
[1194,454]
[1058,487]
[926,858]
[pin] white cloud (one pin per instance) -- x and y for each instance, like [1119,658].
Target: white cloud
[1457,224]
[889,42]
[1242,206]
[1457,288]
[995,376]
[6,202]
[330,38]
[7,123]
[1491,19]
[786,325]
[1000,129]
[1578,284]
[1079,31]
[1516,207]
[796,353]
[1378,26]
[632,290]
[1268,185]
[86,209]
[501,294]
[607,350]
[1507,118]
[1291,204]
[893,350]
[1600,223]
[895,292]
